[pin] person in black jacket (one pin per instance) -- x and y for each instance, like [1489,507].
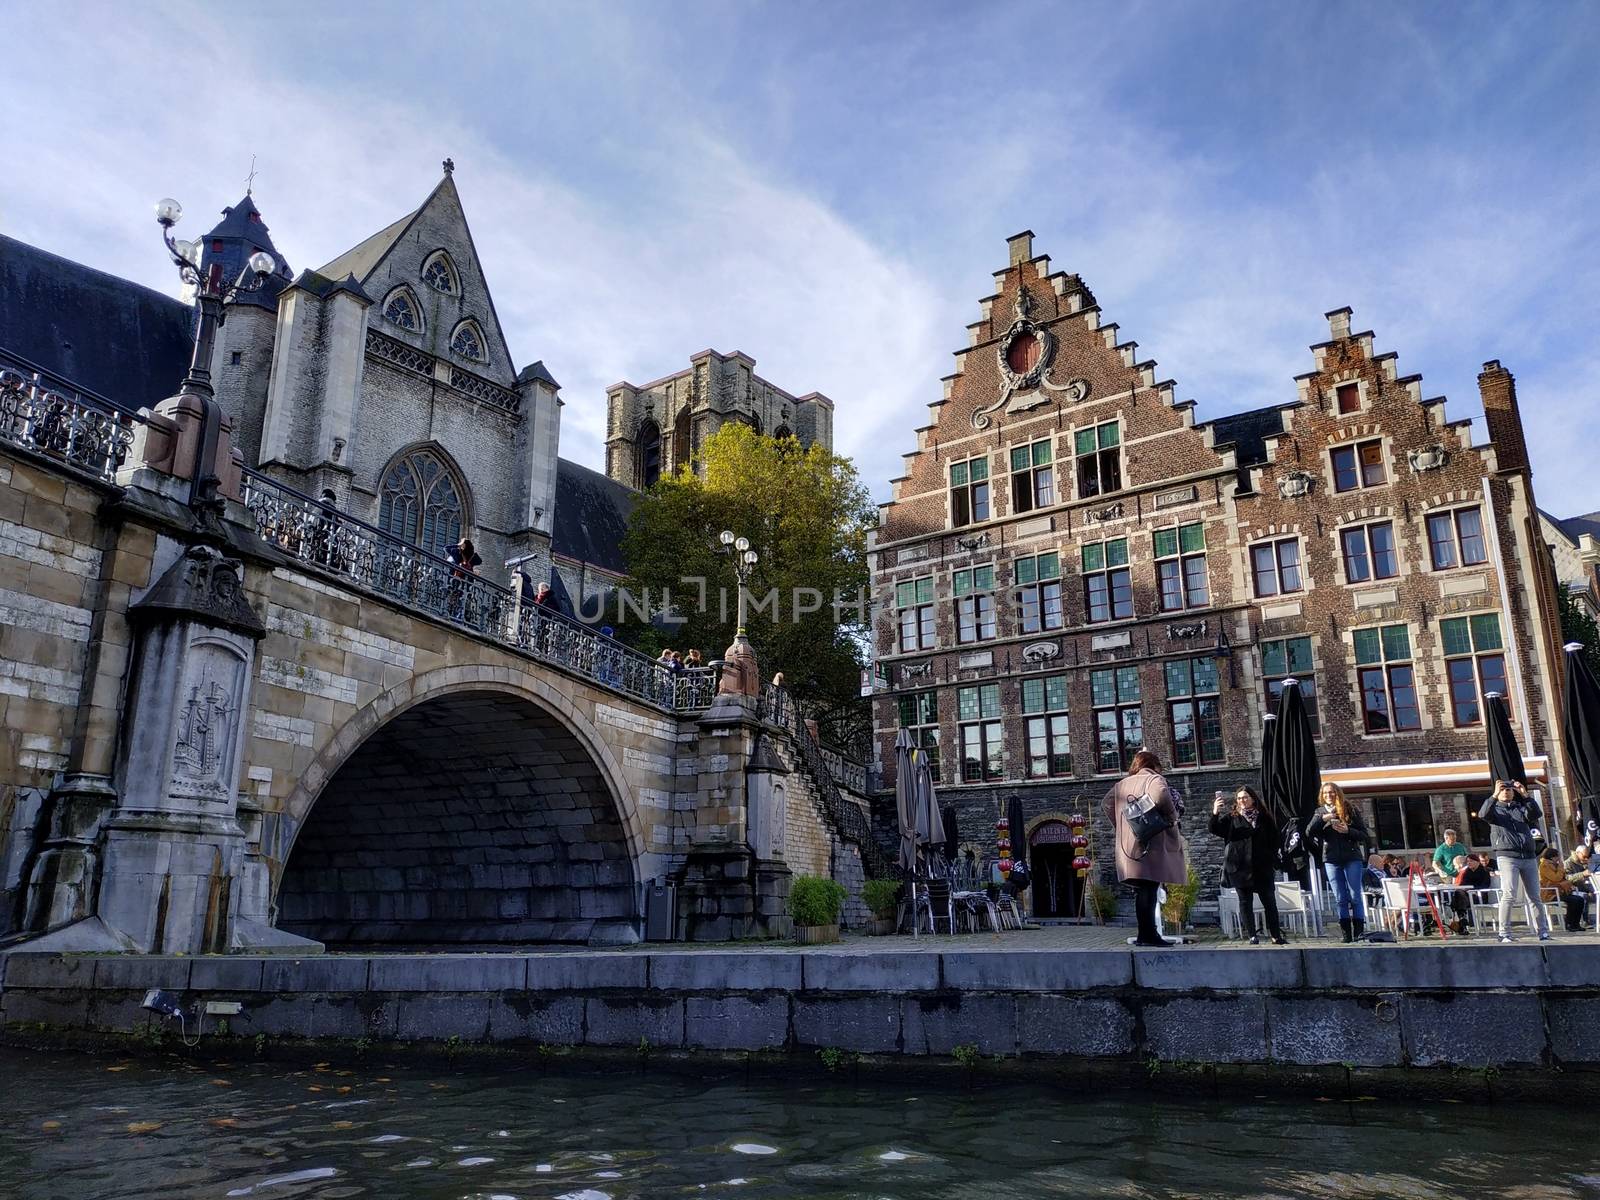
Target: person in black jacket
[1514,818]
[1342,835]
[1250,863]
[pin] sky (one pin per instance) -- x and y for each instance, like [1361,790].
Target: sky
[828,186]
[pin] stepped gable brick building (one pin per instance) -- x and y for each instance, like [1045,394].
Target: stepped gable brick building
[655,428]
[1074,565]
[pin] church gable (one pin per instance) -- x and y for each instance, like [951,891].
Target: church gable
[1043,383]
[429,287]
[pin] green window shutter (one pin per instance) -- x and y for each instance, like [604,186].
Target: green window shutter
[980,469]
[989,700]
[1205,674]
[1486,631]
[1396,643]
[1300,655]
[1166,542]
[905,595]
[1128,684]
[961,582]
[1055,693]
[1083,441]
[1041,453]
[1103,688]
[1019,458]
[1274,658]
[958,474]
[1094,556]
[925,591]
[983,579]
[1109,435]
[1178,679]
[1193,538]
[1026,570]
[1033,695]
[1050,566]
[1117,552]
[1456,635]
[1368,649]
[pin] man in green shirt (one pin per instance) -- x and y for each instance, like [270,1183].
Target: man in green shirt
[1447,858]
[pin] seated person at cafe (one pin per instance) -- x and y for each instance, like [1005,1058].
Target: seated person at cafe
[1447,857]
[1580,864]
[1471,874]
[1554,885]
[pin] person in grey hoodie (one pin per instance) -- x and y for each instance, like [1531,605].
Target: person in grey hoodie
[1513,817]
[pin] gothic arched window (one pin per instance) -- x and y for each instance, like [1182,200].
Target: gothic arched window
[420,501]
[649,452]
[782,431]
[439,273]
[467,341]
[401,309]
[755,422]
[682,440]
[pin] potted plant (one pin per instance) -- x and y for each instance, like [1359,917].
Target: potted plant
[814,904]
[881,897]
[1180,901]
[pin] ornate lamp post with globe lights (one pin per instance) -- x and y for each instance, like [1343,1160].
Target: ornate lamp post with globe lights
[212,293]
[740,672]
[744,561]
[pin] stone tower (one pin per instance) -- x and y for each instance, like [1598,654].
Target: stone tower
[653,429]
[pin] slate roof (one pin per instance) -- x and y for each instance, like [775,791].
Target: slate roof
[242,232]
[1248,432]
[591,516]
[360,260]
[540,372]
[101,333]
[1576,527]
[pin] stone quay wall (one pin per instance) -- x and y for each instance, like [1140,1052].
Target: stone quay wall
[1422,1015]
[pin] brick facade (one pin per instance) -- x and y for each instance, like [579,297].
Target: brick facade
[1165,635]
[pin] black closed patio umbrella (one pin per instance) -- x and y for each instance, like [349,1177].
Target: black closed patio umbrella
[1018,830]
[1505,759]
[1296,776]
[1580,729]
[1269,748]
[952,838]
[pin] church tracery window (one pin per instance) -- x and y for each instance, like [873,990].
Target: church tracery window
[649,453]
[439,273]
[467,341]
[420,501]
[401,309]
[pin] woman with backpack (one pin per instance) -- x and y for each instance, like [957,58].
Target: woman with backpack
[1249,864]
[1338,830]
[1144,812]
[1514,818]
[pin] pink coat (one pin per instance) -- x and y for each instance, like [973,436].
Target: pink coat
[1162,859]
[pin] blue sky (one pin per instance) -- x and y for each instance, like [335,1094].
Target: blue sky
[828,186]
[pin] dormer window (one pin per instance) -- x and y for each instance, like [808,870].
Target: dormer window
[401,309]
[467,341]
[440,274]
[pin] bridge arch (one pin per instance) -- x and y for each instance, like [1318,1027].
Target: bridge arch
[470,804]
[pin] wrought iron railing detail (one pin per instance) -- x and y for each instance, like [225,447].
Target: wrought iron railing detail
[71,428]
[351,551]
[847,817]
[483,389]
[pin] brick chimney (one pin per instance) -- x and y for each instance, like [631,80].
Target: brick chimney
[1498,388]
[1021,247]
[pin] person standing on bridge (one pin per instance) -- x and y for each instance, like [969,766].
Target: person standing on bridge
[1143,812]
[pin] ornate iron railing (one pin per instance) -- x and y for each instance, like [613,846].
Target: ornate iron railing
[83,431]
[355,553]
[846,816]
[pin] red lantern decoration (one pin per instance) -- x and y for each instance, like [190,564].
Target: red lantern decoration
[1079,840]
[1081,862]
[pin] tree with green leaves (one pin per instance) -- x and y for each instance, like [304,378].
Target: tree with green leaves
[806,514]
[1578,626]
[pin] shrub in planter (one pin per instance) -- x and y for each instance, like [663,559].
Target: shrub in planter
[1103,901]
[881,896]
[1180,901]
[815,903]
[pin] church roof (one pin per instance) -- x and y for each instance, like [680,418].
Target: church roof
[361,260]
[232,241]
[1577,527]
[538,371]
[591,516]
[102,334]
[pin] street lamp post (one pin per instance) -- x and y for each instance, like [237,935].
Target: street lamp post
[212,294]
[744,561]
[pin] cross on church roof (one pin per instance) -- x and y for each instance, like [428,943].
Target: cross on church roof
[449,166]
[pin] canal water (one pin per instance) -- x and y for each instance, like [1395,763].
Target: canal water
[85,1128]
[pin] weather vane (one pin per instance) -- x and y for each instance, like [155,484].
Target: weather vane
[250,179]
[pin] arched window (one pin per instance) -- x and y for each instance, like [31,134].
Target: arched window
[755,422]
[401,309]
[467,341]
[439,273]
[649,452]
[420,501]
[782,431]
[682,436]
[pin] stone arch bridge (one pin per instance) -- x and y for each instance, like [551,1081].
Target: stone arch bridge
[252,721]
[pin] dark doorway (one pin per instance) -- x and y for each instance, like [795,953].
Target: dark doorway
[1057,890]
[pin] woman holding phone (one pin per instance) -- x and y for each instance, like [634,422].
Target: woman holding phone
[1343,836]
[1250,861]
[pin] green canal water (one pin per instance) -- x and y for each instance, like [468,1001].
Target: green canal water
[86,1128]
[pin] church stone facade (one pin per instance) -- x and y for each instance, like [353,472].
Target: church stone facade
[1074,565]
[654,429]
